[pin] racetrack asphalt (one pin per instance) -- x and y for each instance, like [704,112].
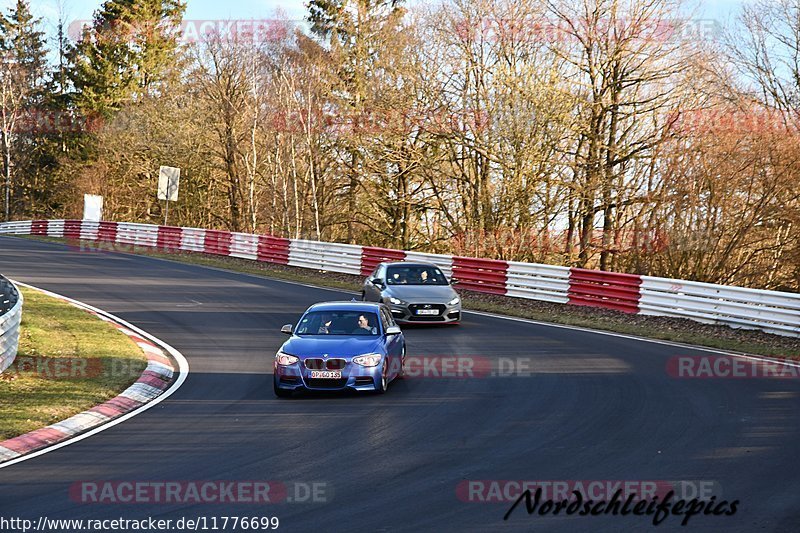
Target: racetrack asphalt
[597,407]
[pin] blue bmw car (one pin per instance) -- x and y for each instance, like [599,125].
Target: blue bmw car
[340,345]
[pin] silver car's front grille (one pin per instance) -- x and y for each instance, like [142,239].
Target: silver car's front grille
[414,308]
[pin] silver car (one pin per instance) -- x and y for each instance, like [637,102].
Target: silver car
[415,293]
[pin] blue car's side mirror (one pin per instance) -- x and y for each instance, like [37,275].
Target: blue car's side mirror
[393,330]
[287,329]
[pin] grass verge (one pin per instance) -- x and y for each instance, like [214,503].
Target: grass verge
[655,327]
[68,361]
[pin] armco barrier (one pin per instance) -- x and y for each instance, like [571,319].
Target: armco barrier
[169,238]
[273,249]
[10,318]
[770,311]
[538,282]
[88,230]
[39,227]
[611,290]
[334,257]
[55,228]
[481,275]
[372,257]
[107,232]
[217,242]
[244,246]
[145,235]
[72,229]
[193,240]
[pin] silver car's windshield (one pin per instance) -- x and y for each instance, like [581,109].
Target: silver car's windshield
[415,275]
[338,323]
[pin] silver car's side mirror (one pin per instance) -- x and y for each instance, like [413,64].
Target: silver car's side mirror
[287,329]
[454,281]
[393,330]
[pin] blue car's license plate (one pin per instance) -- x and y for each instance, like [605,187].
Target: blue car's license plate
[326,374]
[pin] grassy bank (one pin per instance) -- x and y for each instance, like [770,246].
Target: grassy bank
[68,361]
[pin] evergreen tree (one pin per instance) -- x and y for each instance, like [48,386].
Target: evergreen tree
[24,89]
[126,54]
[23,45]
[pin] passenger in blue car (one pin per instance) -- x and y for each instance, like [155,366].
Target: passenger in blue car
[325,325]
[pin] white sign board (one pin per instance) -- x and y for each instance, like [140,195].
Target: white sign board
[92,207]
[168,178]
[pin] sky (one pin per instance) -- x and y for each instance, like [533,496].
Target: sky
[256,9]
[709,13]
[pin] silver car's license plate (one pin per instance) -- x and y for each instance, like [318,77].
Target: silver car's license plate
[427,311]
[326,374]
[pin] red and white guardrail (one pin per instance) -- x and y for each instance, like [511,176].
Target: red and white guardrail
[770,311]
[10,318]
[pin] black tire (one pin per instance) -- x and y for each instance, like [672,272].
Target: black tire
[383,384]
[402,372]
[279,392]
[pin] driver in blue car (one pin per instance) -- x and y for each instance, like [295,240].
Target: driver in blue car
[363,327]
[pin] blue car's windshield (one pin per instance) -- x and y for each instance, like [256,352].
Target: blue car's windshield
[338,323]
[415,275]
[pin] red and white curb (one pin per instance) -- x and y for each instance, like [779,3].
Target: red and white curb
[159,380]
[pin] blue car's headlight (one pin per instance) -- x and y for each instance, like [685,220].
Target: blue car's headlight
[396,301]
[370,359]
[454,301]
[284,359]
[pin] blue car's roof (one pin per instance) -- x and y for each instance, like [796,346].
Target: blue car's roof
[346,306]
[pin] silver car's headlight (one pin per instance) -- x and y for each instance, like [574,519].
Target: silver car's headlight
[396,301]
[454,301]
[284,359]
[370,359]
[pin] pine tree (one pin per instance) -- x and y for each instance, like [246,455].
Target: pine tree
[126,53]
[24,88]
[23,44]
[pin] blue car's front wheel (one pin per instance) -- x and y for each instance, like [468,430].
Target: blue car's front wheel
[383,382]
[402,373]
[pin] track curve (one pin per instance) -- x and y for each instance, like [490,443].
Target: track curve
[600,408]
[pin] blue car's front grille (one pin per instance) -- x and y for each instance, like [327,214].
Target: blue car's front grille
[315,364]
[335,364]
[325,364]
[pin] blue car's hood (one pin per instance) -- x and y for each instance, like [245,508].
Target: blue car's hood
[333,345]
